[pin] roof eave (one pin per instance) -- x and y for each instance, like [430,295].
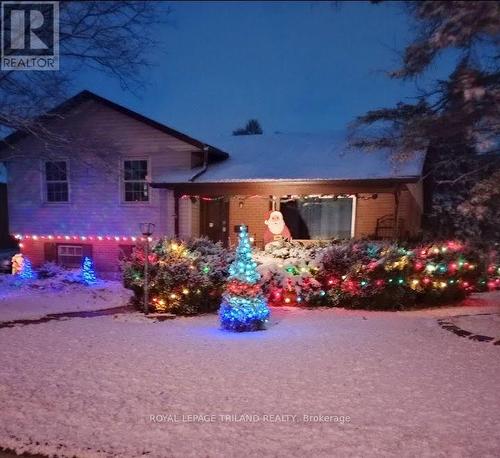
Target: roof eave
[85,95]
[287,181]
[288,187]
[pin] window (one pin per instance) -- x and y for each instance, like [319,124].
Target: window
[56,179]
[70,255]
[135,185]
[318,218]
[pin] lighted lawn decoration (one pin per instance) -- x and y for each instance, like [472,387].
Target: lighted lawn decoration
[88,272]
[243,307]
[17,263]
[26,272]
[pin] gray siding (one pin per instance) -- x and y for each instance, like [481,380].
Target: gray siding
[101,138]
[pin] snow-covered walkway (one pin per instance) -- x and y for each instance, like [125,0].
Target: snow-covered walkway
[90,387]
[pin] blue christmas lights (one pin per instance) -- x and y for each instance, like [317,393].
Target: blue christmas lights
[243,310]
[88,272]
[26,270]
[243,314]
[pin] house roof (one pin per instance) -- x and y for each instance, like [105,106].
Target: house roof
[86,95]
[296,157]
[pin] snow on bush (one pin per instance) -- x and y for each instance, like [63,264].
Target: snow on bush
[288,271]
[188,277]
[48,276]
[375,275]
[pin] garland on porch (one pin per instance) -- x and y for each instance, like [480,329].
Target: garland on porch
[285,198]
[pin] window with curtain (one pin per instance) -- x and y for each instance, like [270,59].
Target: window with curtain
[318,218]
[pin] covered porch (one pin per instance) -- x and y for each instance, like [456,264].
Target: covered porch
[313,209]
[323,187]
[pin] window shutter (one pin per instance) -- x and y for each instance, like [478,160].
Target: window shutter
[50,252]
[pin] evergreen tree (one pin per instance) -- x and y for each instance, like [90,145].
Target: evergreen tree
[88,272]
[252,128]
[27,270]
[243,307]
[455,121]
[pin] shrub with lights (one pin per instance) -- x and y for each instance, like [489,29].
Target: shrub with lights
[383,276]
[189,277]
[243,307]
[288,271]
[185,278]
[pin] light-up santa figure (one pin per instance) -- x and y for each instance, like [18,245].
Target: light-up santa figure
[17,264]
[276,228]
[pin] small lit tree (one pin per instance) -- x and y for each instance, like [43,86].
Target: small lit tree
[88,272]
[26,272]
[243,307]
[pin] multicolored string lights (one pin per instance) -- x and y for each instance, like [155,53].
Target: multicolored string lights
[427,271]
[95,238]
[243,306]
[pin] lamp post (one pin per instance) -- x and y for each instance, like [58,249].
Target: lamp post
[147,231]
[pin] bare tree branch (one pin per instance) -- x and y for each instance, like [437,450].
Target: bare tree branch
[114,38]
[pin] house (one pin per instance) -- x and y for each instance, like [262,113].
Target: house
[4,215]
[116,168]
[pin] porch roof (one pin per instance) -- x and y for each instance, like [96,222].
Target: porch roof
[295,158]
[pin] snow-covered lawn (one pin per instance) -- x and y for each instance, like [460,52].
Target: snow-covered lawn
[89,386]
[34,299]
[480,324]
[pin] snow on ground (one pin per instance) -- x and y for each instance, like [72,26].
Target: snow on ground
[33,299]
[475,304]
[88,386]
[488,325]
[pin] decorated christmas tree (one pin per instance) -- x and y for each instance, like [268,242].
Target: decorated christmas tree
[26,272]
[243,307]
[88,272]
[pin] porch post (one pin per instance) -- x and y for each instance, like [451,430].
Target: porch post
[397,193]
[176,213]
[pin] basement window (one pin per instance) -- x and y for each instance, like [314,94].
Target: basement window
[70,255]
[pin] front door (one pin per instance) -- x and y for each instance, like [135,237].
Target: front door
[214,220]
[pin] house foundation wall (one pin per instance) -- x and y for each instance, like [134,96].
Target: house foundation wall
[106,254]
